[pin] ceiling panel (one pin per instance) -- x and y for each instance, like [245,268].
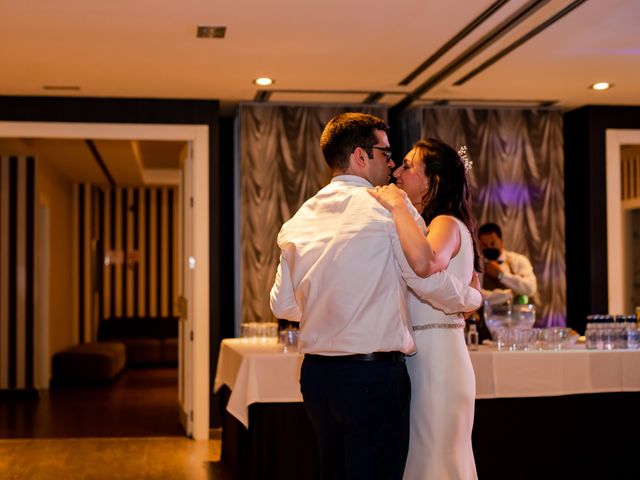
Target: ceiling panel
[149,49]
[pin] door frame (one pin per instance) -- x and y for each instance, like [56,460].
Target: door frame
[618,221]
[198,136]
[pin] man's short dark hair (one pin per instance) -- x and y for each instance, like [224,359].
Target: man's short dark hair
[489,228]
[344,132]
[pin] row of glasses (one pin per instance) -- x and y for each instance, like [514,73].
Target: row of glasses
[259,331]
[531,339]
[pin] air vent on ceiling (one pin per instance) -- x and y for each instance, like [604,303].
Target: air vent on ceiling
[205,31]
[61,87]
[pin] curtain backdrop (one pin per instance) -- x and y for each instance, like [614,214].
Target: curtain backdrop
[518,183]
[517,180]
[281,166]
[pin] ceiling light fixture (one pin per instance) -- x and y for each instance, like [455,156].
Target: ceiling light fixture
[205,31]
[264,81]
[601,86]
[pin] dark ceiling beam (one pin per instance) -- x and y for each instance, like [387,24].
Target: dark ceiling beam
[475,23]
[488,39]
[98,158]
[502,53]
[373,97]
[262,96]
[481,102]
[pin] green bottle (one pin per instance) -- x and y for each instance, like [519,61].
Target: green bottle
[520,300]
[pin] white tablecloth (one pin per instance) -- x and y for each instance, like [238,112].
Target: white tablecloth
[260,372]
[256,372]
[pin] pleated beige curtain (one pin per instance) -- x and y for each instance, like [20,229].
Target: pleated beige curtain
[518,183]
[281,166]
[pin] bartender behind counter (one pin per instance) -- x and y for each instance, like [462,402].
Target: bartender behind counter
[507,275]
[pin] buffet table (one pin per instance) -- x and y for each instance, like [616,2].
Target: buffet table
[544,413]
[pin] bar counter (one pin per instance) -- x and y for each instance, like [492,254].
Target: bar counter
[553,414]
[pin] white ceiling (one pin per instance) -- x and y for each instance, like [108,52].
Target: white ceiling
[336,51]
[148,48]
[128,163]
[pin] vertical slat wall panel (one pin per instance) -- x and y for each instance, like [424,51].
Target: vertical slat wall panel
[4,273]
[142,220]
[20,210]
[17,240]
[171,251]
[118,267]
[105,294]
[87,292]
[636,170]
[99,275]
[135,233]
[128,220]
[164,257]
[80,241]
[152,245]
[142,257]
[630,169]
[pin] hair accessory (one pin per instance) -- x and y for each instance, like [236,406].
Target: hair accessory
[464,156]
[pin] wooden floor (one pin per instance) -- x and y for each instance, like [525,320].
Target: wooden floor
[154,458]
[139,403]
[128,429]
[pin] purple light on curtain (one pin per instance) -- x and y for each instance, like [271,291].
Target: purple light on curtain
[511,194]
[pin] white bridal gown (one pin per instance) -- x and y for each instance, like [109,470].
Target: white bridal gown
[442,386]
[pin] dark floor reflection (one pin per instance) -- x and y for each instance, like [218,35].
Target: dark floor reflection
[140,402]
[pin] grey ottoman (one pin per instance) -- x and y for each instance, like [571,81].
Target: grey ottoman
[88,362]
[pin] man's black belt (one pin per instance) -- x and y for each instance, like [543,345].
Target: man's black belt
[393,357]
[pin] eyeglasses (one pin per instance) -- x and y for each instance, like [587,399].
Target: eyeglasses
[386,150]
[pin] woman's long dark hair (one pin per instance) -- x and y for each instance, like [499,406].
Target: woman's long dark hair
[448,192]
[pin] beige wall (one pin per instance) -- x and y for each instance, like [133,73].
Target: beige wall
[56,192]
[628,152]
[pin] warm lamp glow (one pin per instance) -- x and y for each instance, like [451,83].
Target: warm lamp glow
[263,81]
[601,86]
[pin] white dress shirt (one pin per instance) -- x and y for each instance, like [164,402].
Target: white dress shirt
[517,276]
[343,275]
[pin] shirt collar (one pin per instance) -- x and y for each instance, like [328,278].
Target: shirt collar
[352,180]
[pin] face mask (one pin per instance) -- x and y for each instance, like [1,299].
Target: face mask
[491,253]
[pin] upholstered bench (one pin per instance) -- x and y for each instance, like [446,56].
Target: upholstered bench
[98,361]
[148,341]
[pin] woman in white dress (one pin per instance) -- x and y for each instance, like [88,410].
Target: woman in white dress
[433,176]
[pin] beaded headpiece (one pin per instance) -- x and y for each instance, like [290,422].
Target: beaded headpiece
[464,156]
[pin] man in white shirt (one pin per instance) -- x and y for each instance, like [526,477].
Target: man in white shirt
[343,275]
[507,275]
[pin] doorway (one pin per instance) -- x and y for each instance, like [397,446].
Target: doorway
[194,345]
[623,205]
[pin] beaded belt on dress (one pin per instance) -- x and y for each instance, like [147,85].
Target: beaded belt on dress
[429,326]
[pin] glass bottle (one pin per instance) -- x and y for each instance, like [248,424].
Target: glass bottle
[473,339]
[591,333]
[620,335]
[607,332]
[633,333]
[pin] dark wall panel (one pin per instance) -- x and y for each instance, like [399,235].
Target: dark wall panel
[585,205]
[17,269]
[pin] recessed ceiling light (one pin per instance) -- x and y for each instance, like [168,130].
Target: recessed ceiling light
[601,86]
[264,81]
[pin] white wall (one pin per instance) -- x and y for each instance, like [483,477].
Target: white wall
[57,193]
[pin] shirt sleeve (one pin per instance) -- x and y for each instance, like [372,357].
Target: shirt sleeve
[442,290]
[282,297]
[521,279]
